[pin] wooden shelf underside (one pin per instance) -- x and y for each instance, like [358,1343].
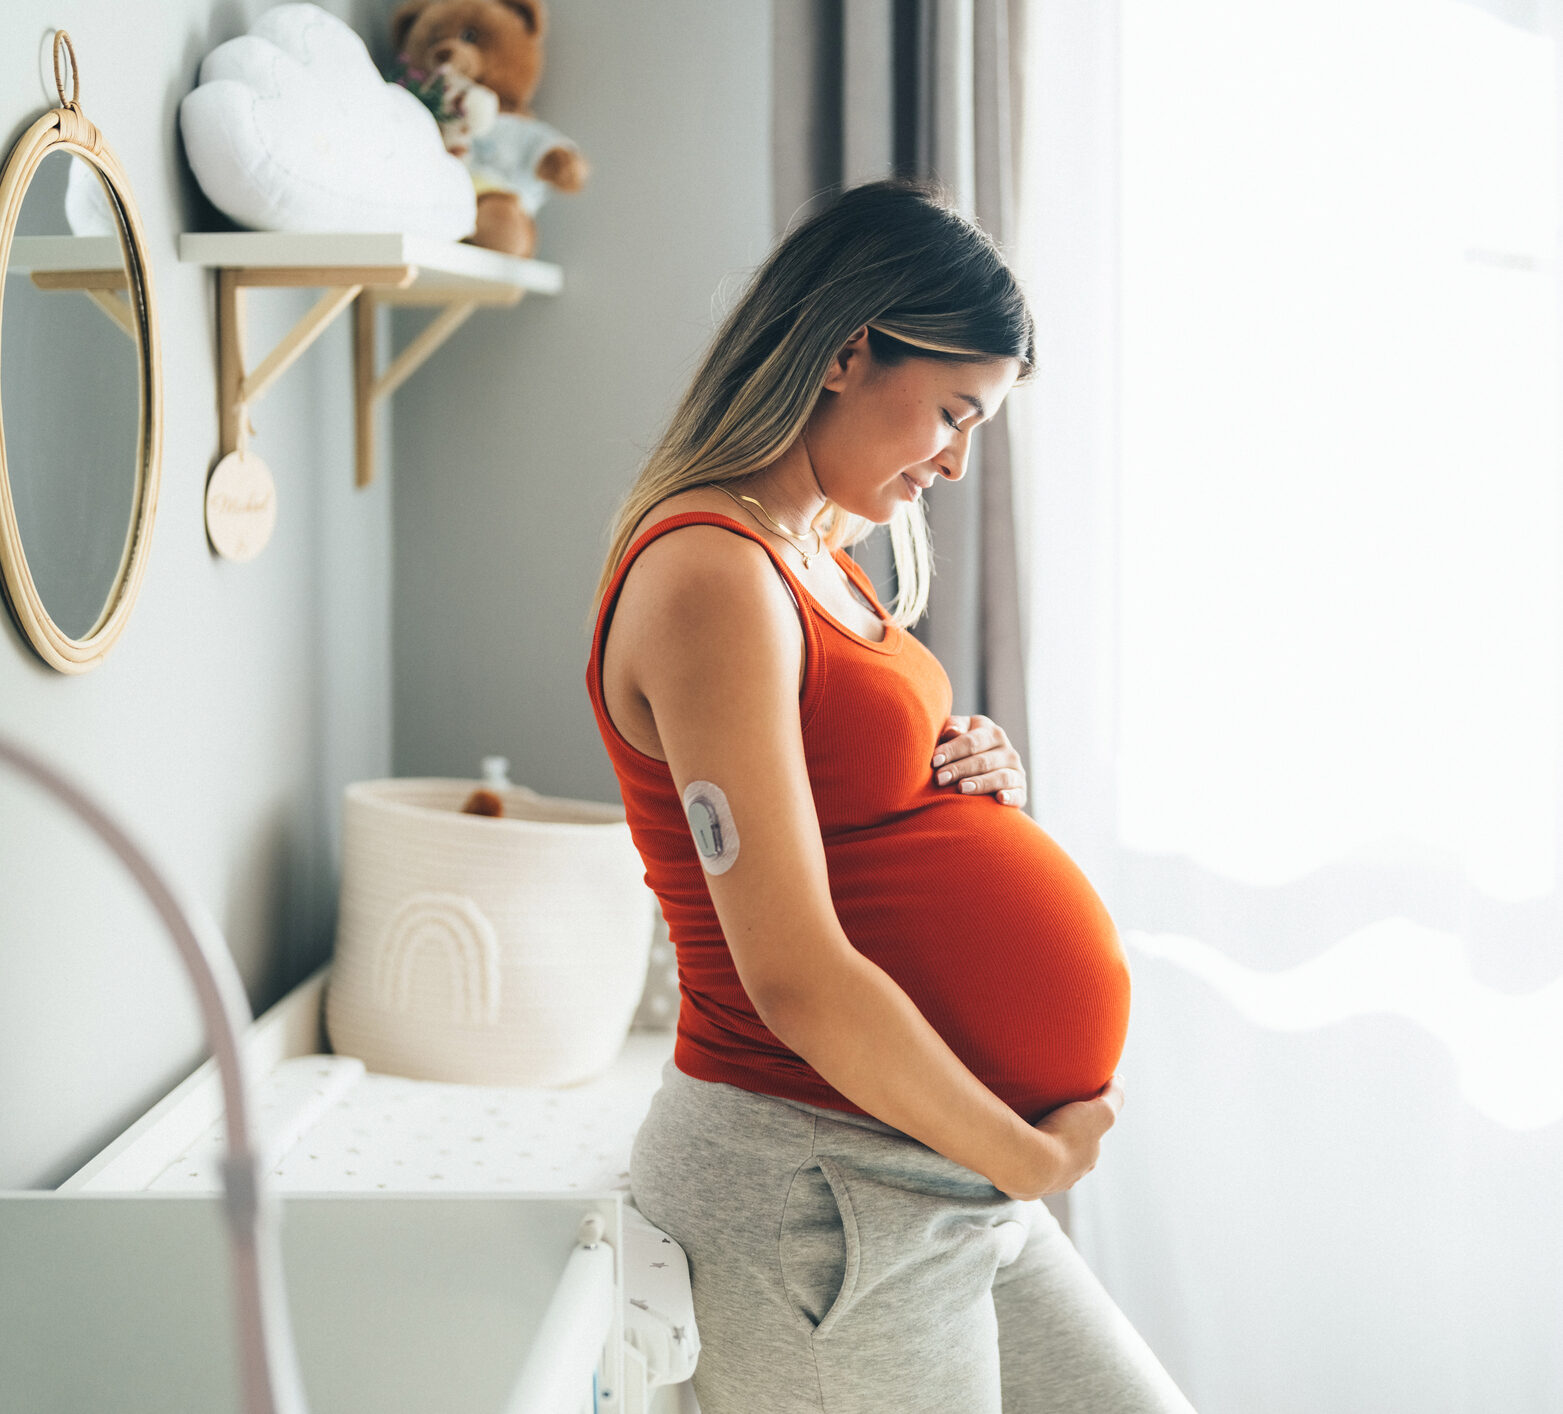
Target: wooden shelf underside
[366,271]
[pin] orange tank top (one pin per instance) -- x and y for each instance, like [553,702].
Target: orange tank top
[990,928]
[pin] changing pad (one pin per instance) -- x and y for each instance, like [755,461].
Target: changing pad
[329,1125]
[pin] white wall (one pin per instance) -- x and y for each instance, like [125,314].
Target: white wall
[513,450]
[241,698]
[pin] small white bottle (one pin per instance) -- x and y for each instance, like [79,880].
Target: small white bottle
[496,772]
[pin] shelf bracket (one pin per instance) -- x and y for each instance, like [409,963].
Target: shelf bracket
[237,390]
[108,289]
[370,388]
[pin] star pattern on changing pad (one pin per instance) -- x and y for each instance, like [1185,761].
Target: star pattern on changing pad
[439,1138]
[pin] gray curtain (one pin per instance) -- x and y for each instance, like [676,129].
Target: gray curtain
[874,88]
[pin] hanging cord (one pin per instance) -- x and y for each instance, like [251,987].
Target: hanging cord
[63,41]
[74,125]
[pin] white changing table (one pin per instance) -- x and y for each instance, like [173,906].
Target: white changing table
[329,1128]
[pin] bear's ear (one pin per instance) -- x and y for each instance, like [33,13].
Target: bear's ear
[403,19]
[533,16]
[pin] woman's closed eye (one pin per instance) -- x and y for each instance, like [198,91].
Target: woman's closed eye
[953,423]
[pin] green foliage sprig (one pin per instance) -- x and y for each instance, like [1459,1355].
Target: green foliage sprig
[428,88]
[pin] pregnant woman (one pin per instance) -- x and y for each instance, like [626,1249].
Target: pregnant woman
[901,1003]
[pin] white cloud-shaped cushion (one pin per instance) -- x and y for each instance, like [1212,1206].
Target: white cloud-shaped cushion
[293,129]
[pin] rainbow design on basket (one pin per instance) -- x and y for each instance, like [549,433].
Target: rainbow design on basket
[439,905]
[454,925]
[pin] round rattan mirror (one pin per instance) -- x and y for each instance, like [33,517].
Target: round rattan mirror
[81,399]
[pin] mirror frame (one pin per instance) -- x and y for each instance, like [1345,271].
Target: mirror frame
[65,129]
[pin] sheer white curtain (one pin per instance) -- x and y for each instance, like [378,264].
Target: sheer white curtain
[1295,543]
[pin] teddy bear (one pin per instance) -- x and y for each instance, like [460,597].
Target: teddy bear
[476,63]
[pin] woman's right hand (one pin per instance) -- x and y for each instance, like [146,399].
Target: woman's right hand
[1074,1138]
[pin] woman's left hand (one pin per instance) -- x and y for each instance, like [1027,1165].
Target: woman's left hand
[974,756]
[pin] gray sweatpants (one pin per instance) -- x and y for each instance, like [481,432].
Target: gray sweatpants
[839,1266]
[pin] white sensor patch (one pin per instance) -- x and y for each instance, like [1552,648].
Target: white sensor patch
[711,823]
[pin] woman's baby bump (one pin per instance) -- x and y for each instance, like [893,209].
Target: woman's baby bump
[998,938]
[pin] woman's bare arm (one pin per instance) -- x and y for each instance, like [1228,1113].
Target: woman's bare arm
[717,651]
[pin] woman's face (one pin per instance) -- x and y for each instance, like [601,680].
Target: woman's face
[881,435]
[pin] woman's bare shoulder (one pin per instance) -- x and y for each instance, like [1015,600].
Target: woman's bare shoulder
[699,498]
[699,574]
[700,591]
[697,559]
[701,564]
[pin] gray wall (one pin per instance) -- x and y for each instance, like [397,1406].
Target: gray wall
[242,697]
[512,452]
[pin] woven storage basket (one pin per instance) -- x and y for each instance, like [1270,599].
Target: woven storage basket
[486,951]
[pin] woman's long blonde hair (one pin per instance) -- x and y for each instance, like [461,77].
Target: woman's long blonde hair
[892,255]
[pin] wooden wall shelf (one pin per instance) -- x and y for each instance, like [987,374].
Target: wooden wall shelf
[363,270]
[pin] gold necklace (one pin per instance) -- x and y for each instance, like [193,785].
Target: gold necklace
[786,535]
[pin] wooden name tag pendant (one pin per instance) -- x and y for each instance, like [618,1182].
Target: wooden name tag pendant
[241,506]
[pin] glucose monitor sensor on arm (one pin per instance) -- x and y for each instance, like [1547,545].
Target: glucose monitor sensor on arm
[711,823]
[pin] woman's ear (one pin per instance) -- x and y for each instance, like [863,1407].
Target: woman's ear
[854,352]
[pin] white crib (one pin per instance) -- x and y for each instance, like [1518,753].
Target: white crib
[425,1272]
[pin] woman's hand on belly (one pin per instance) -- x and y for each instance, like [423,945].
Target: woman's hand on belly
[975,757]
[1075,1131]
